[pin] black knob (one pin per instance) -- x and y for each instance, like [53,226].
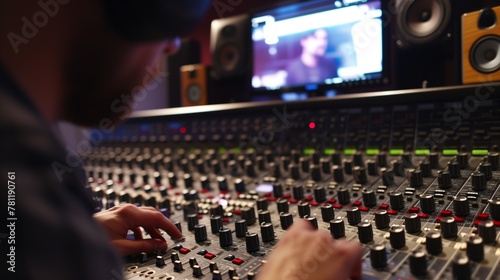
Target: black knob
[454,168]
[365,232]
[369,198]
[348,166]
[415,178]
[205,183]
[327,212]
[304,209]
[444,179]
[478,181]
[274,170]
[216,210]
[418,262]
[387,176]
[449,228]
[200,233]
[359,174]
[222,182]
[494,159]
[174,257]
[315,172]
[487,169]
[353,216]
[248,214]
[336,158]
[252,242]
[188,180]
[338,173]
[282,205]
[319,194]
[294,171]
[262,203]
[178,226]
[313,221]
[434,160]
[412,223]
[382,159]
[398,167]
[178,266]
[298,192]
[241,228]
[215,223]
[427,203]
[396,200]
[304,164]
[285,162]
[406,158]
[326,167]
[264,216]
[250,169]
[357,159]
[475,248]
[225,237]
[286,220]
[239,185]
[337,228]
[261,163]
[197,271]
[397,237]
[216,275]
[461,267]
[425,168]
[378,256]
[277,190]
[461,206]
[232,273]
[192,220]
[433,243]
[494,205]
[160,262]
[487,231]
[267,232]
[463,160]
[343,196]
[372,167]
[382,219]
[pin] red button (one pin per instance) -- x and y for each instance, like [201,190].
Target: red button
[237,261]
[438,219]
[337,206]
[384,206]
[292,201]
[414,209]
[357,203]
[225,220]
[211,196]
[271,198]
[287,196]
[446,213]
[423,216]
[200,216]
[237,212]
[392,212]
[459,219]
[313,203]
[268,194]
[365,209]
[184,250]
[476,222]
[483,216]
[496,223]
[309,198]
[209,256]
[332,200]
[223,192]
[204,190]
[177,193]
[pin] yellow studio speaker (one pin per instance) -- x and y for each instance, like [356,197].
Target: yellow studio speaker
[194,89]
[481,46]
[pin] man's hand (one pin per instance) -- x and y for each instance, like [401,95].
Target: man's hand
[118,220]
[307,254]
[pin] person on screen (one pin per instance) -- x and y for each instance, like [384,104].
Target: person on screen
[73,68]
[312,66]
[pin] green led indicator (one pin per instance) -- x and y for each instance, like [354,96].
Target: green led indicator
[308,151]
[236,150]
[372,152]
[396,152]
[329,151]
[349,152]
[422,152]
[450,152]
[222,150]
[479,152]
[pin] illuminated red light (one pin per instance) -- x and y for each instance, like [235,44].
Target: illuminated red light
[183,130]
[312,125]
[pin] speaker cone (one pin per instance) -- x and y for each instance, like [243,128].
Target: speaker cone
[422,21]
[485,54]
[229,57]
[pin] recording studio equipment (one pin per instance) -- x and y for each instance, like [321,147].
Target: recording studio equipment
[154,20]
[194,85]
[414,176]
[228,46]
[189,53]
[481,46]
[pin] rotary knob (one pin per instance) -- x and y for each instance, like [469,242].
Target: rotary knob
[319,194]
[304,209]
[418,263]
[365,232]
[434,160]
[398,167]
[241,228]
[487,169]
[277,190]
[200,233]
[359,174]
[313,221]
[461,267]
[415,178]
[326,167]
[461,206]
[315,173]
[487,231]
[357,159]
[378,256]
[425,168]
[294,171]
[427,203]
[444,179]
[372,167]
[369,198]
[478,181]
[494,159]
[252,242]
[264,216]
[267,232]
[494,205]
[396,200]
[239,185]
[348,166]
[216,210]
[387,176]
[338,174]
[192,220]
[286,220]
[433,243]
[337,228]
[262,203]
[449,228]
[336,158]
[343,196]
[382,219]
[248,214]
[215,224]
[412,223]
[382,159]
[463,159]
[327,212]
[298,192]
[454,168]
[397,237]
[475,248]
[353,216]
[282,205]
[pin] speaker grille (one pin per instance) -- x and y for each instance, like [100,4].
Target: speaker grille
[485,54]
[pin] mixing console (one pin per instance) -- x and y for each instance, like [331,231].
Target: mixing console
[412,175]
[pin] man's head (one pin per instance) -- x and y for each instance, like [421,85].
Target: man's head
[95,55]
[315,43]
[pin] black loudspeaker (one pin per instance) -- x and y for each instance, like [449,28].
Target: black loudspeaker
[229,43]
[189,53]
[427,40]
[481,46]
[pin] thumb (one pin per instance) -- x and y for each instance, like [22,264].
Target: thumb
[129,247]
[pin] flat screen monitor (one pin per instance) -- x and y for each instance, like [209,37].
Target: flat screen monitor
[319,45]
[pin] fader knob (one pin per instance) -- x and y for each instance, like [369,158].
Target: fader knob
[313,221]
[412,223]
[454,168]
[415,178]
[353,216]
[225,237]
[372,167]
[216,275]
[487,169]
[449,228]
[425,168]
[475,248]
[418,262]
[478,181]
[282,205]
[461,267]
[192,220]
[200,233]
[365,232]
[264,216]
[326,167]
[248,214]
[178,266]
[315,173]
[487,231]
[382,159]
[359,174]
[463,159]
[252,242]
[494,205]
[357,159]
[382,219]
[337,228]
[277,190]
[304,209]
[197,271]
[396,200]
[338,174]
[262,203]
[398,167]
[343,196]
[348,166]
[461,206]
[286,220]
[327,212]
[294,171]
[397,237]
[494,159]
[369,198]
[240,227]
[378,256]
[239,185]
[216,210]
[444,179]
[298,192]
[215,223]
[319,194]
[433,243]
[387,176]
[427,203]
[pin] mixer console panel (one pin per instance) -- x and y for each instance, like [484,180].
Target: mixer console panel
[413,176]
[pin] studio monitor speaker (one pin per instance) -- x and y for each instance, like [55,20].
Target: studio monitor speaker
[481,46]
[194,85]
[228,46]
[189,53]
